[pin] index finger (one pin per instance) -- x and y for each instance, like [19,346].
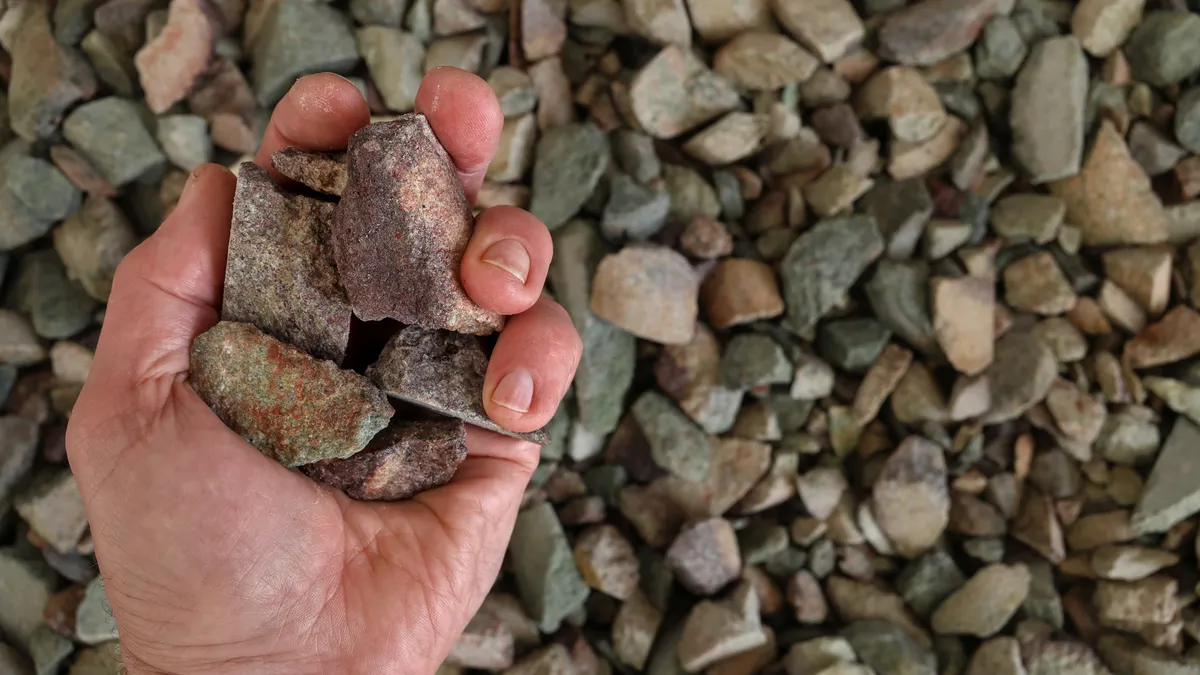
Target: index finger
[319,112]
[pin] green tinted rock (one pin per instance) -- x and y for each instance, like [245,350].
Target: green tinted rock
[1165,48]
[110,134]
[548,581]
[853,344]
[569,162]
[822,265]
[298,38]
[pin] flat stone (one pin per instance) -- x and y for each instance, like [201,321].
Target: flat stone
[1171,339]
[543,30]
[912,505]
[1100,529]
[705,556]
[94,623]
[1144,273]
[707,238]
[568,165]
[401,461]
[1048,105]
[1127,655]
[90,128]
[441,371]
[675,443]
[290,406]
[649,291]
[1036,284]
[929,580]
[1170,494]
[410,275]
[752,360]
[634,630]
[835,191]
[909,160]
[19,345]
[322,171]
[732,138]
[550,586]
[735,468]
[57,306]
[514,155]
[171,63]
[886,648]
[853,344]
[901,209]
[607,562]
[396,62]
[93,242]
[962,321]
[1122,310]
[829,28]
[1136,602]
[985,603]
[906,100]
[719,21]
[928,31]
[675,93]
[464,52]
[1164,48]
[863,601]
[633,210]
[1026,217]
[1022,372]
[297,39]
[46,77]
[998,656]
[38,189]
[1152,149]
[811,289]
[26,585]
[1000,50]
[1130,563]
[716,630]
[52,506]
[759,60]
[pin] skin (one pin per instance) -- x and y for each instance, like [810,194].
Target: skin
[217,559]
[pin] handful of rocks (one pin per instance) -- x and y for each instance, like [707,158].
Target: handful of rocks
[381,236]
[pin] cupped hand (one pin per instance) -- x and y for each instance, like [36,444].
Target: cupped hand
[217,559]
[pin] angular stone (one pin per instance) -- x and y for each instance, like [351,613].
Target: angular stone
[58,307]
[1103,25]
[607,562]
[930,30]
[814,656]
[763,61]
[1177,395]
[464,52]
[53,507]
[19,345]
[555,107]
[1165,48]
[691,194]
[633,211]
[634,629]
[985,603]
[835,191]
[296,39]
[899,297]
[929,580]
[910,160]
[1099,529]
[550,586]
[886,648]
[663,23]
[735,468]
[396,62]
[1172,493]
[853,344]
[998,656]
[570,161]
[675,93]
[542,28]
[290,406]
[705,556]
[1174,338]
[170,64]
[811,288]
[732,138]
[691,374]
[39,190]
[807,599]
[91,128]
[79,172]
[1036,284]
[719,21]
[401,261]
[901,209]
[1136,602]
[94,622]
[1000,49]
[1026,217]
[962,320]
[515,153]
[906,100]
[650,291]
[1144,273]
[1111,200]
[1021,374]
[1048,106]
[879,383]
[829,28]
[752,360]
[1128,655]
[441,371]
[322,171]
[863,601]
[485,643]
[1043,657]
[1153,150]
[944,236]
[675,443]
[401,461]
[100,660]
[1130,563]
[912,505]
[46,77]
[93,242]
[716,630]
[185,140]
[114,67]
[514,89]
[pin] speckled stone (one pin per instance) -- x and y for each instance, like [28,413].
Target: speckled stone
[442,371]
[544,566]
[650,291]
[290,406]
[676,92]
[93,242]
[404,459]
[401,230]
[94,127]
[298,38]
[321,171]
[812,286]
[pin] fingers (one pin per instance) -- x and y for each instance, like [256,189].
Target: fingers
[505,264]
[320,112]
[464,114]
[532,365]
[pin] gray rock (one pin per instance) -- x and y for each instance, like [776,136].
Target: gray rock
[887,649]
[929,580]
[396,61]
[25,585]
[1187,120]
[1153,149]
[676,444]
[49,650]
[609,354]
[58,307]
[544,566]
[39,189]
[93,242]
[1165,48]
[853,344]
[635,155]
[901,210]
[899,297]
[1049,102]
[1043,657]
[18,447]
[634,211]
[691,195]
[1043,602]
[1128,439]
[19,345]
[53,507]
[184,139]
[1172,492]
[73,20]
[570,161]
[812,286]
[752,359]
[1056,474]
[8,377]
[298,38]
[379,12]
[999,50]
[729,193]
[110,134]
[1022,371]
[113,66]
[1126,656]
[94,622]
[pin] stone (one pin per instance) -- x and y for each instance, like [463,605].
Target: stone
[79,172]
[886,648]
[1170,494]
[46,78]
[71,362]
[1000,49]
[901,209]
[440,371]
[1043,657]
[1177,395]
[1110,193]
[542,29]
[691,374]
[184,140]
[821,490]
[853,344]
[94,622]
[1171,339]
[1099,529]
[321,171]
[1049,145]
[813,380]
[752,360]
[1125,655]
[18,446]
[395,60]
[549,584]
[553,88]
[19,345]
[675,93]
[1123,310]
[515,153]
[1037,526]
[514,89]
[99,660]
[906,100]
[1144,273]
[649,291]
[38,189]
[912,505]
[634,629]
[1025,217]
[52,506]
[633,210]
[90,128]
[732,138]
[568,165]
[401,461]
[57,306]
[707,238]
[705,556]
[962,321]
[806,598]
[296,39]
[811,289]
[1163,49]
[691,195]
[486,642]
[829,28]
[899,297]
[1079,416]
[1130,563]
[1022,372]
[607,562]
[944,236]
[719,21]
[1187,120]
[1103,25]
[1036,284]
[763,61]
[735,468]
[1153,150]
[930,30]
[817,654]
[171,63]
[910,160]
[864,601]
[880,381]
[985,603]
[836,190]
[716,630]
[26,585]
[413,278]
[739,291]
[114,67]
[675,443]
[93,242]
[265,390]
[1150,600]
[974,517]
[464,52]
[635,155]
[929,580]
[664,23]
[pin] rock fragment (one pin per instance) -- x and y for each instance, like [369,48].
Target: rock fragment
[650,291]
[1103,25]
[985,603]
[607,562]
[664,23]
[1048,108]
[46,78]
[1171,493]
[829,28]
[1172,339]
[691,374]
[544,567]
[1130,563]
[811,286]
[862,601]
[912,504]
[93,242]
[906,100]
[716,630]
[1025,217]
[634,211]
[634,629]
[297,39]
[675,92]
[886,648]
[675,443]
[732,138]
[396,62]
[1149,601]
[705,556]
[53,507]
[1165,48]
[322,171]
[26,585]
[880,381]
[1022,372]
[758,60]
[170,64]
[928,31]
[1036,284]
[739,291]
[719,21]
[963,309]
[569,163]
[899,295]
[91,128]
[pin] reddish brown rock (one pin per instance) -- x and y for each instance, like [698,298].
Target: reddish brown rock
[706,238]
[47,78]
[928,31]
[406,458]
[402,227]
[321,171]
[1174,338]
[172,62]
[739,291]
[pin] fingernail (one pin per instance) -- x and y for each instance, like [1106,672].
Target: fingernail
[515,391]
[510,256]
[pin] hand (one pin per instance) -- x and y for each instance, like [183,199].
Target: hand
[217,559]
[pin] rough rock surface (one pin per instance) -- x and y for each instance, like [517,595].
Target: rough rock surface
[321,171]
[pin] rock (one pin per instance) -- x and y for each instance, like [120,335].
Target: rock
[1153,149]
[648,291]
[1127,439]
[1098,529]
[806,598]
[1125,655]
[664,23]
[901,209]
[231,371]
[547,579]
[835,191]
[1164,48]
[853,344]
[514,89]
[635,155]
[962,321]
[1187,120]
[1021,374]
[19,345]
[93,242]
[929,580]
[401,461]
[998,656]
[633,210]
[735,468]
[94,622]
[985,603]
[1130,563]
[298,38]
[814,378]
[1055,77]
[1178,396]
[906,100]
[691,374]
[675,443]
[464,52]
[752,360]
[322,171]
[486,642]
[1043,657]
[1172,339]
[607,562]
[1144,273]
[396,62]
[821,490]
[184,139]
[26,586]
[18,446]
[79,172]
[38,189]
[542,29]
[555,106]
[705,556]
[1136,602]
[944,236]
[1103,25]
[440,371]
[815,655]
[811,289]
[1036,284]
[1025,217]
[930,30]
[515,154]
[46,78]
[719,21]
[428,242]
[99,660]
[1000,49]
[53,507]
[114,67]
[568,165]
[58,307]
[909,160]
[912,505]
[862,601]
[707,238]
[90,128]
[691,195]
[634,630]
[732,138]
[1037,526]
[675,93]
[759,60]
[899,297]
[880,381]
[886,648]
[171,63]
[1170,494]
[716,630]
[829,28]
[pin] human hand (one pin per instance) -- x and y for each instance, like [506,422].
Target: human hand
[217,559]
